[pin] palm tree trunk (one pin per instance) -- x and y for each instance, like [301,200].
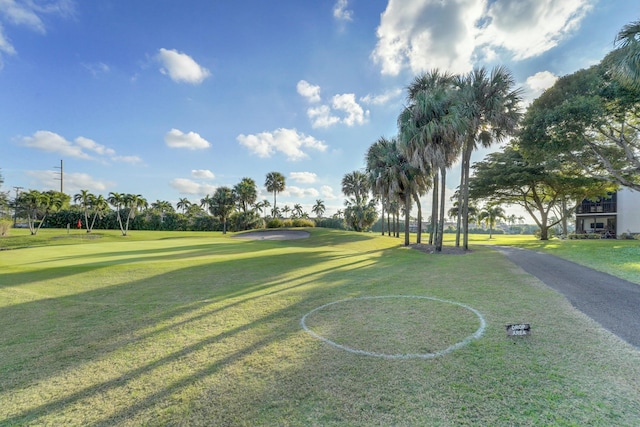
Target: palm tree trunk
[443,178]
[416,197]
[388,223]
[382,217]
[434,210]
[460,201]
[407,216]
[465,198]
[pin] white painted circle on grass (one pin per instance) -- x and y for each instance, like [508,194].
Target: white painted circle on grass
[477,334]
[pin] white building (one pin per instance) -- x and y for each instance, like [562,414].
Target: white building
[610,216]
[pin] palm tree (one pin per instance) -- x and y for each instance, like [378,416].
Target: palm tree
[205,202]
[431,130]
[36,203]
[356,184]
[377,159]
[99,206]
[246,193]
[298,212]
[627,65]
[318,208]
[262,206]
[360,213]
[275,183]
[134,202]
[286,209]
[490,216]
[84,198]
[223,204]
[183,204]
[117,201]
[492,111]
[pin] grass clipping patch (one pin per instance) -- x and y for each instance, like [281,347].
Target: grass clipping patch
[395,326]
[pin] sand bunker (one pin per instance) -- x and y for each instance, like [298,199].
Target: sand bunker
[274,235]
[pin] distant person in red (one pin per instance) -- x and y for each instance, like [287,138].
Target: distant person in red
[79,223]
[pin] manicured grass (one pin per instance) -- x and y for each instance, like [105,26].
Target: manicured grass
[203,329]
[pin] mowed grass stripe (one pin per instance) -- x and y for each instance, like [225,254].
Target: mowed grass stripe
[205,330]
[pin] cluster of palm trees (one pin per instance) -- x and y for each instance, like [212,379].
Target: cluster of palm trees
[446,118]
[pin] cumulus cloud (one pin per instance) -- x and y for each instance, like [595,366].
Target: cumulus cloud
[426,34]
[30,15]
[327,192]
[297,192]
[202,174]
[340,11]
[309,91]
[540,81]
[321,116]
[354,114]
[188,186]
[73,182]
[51,142]
[290,142]
[180,67]
[177,139]
[381,98]
[303,177]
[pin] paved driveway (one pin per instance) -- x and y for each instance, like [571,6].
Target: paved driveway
[610,301]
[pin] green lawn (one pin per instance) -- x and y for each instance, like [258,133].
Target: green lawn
[202,329]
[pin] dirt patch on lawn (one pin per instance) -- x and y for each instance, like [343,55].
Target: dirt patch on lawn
[274,235]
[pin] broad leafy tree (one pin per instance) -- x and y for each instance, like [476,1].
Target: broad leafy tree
[539,186]
[275,183]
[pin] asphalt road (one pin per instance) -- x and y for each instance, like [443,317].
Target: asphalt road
[609,300]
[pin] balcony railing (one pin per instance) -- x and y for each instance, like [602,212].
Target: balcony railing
[599,207]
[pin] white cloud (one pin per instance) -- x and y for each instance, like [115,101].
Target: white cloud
[73,182]
[426,34]
[187,186]
[541,81]
[91,145]
[287,141]
[45,140]
[192,141]
[181,68]
[28,14]
[327,192]
[321,117]
[48,141]
[340,11]
[528,28]
[303,177]
[309,91]
[354,112]
[202,174]
[297,192]
[382,98]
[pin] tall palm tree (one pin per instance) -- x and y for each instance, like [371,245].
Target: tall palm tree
[99,206]
[134,202]
[117,200]
[627,65]
[262,206]
[223,204]
[275,183]
[318,208]
[377,160]
[492,110]
[246,193]
[84,198]
[286,209]
[183,204]
[431,130]
[356,184]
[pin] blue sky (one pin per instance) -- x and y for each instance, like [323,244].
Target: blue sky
[172,99]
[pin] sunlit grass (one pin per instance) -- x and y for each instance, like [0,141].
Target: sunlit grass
[204,329]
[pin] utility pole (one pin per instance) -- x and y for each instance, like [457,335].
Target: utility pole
[15,206]
[61,167]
